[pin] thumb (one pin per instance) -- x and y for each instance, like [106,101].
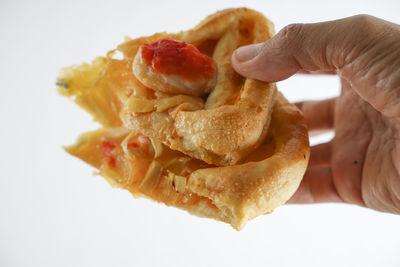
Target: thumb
[325,46]
[362,49]
[296,47]
[270,61]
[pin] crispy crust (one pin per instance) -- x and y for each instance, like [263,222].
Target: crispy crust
[247,190]
[221,136]
[232,194]
[272,163]
[237,110]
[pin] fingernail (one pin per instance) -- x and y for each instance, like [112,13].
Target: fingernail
[246,53]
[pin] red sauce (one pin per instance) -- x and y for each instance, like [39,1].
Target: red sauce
[171,57]
[133,145]
[108,148]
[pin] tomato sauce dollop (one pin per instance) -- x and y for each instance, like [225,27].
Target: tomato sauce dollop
[108,148]
[172,57]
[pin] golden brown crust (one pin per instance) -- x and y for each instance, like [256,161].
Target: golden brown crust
[237,110]
[259,129]
[221,136]
[256,187]
[233,194]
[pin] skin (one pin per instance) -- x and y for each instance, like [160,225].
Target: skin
[361,165]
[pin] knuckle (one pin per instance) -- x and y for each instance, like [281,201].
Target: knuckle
[361,34]
[365,24]
[292,32]
[363,18]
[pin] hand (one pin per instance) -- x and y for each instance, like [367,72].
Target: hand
[361,165]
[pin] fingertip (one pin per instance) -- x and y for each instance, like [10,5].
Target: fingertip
[319,115]
[262,63]
[246,53]
[317,186]
[236,63]
[243,61]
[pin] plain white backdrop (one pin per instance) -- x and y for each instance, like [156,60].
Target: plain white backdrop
[54,212]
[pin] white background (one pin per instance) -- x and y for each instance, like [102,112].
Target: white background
[54,212]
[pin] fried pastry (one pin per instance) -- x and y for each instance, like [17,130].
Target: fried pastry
[182,128]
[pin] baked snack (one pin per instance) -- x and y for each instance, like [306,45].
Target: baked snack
[182,128]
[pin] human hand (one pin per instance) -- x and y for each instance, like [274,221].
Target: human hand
[361,165]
